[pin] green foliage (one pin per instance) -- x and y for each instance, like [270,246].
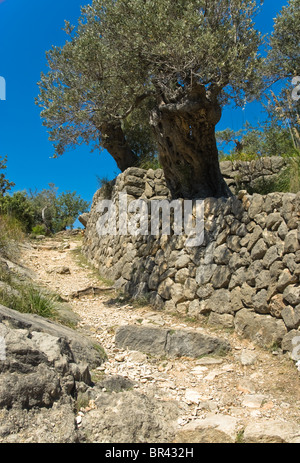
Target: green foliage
[106,187]
[5,185]
[43,212]
[269,139]
[69,206]
[11,234]
[149,162]
[282,64]
[19,207]
[288,180]
[44,205]
[127,58]
[38,230]
[139,135]
[283,57]
[56,212]
[25,298]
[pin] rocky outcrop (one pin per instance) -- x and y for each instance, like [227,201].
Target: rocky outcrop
[33,327]
[218,428]
[45,372]
[42,362]
[244,274]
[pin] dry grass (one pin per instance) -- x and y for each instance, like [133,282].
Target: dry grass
[10,235]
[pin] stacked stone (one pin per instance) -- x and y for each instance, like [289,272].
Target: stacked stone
[245,275]
[249,174]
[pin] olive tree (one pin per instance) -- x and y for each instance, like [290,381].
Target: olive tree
[160,69]
[283,64]
[284,57]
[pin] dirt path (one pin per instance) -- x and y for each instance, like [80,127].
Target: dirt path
[248,383]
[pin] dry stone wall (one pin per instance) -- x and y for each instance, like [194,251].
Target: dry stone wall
[245,274]
[251,175]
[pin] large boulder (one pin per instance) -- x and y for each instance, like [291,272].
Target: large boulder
[213,429]
[272,432]
[129,417]
[83,348]
[264,330]
[174,343]
[38,365]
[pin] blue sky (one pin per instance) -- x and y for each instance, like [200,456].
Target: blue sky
[27,29]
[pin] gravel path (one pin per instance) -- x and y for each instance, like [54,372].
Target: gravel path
[247,383]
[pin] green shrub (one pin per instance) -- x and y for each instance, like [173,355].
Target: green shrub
[39,230]
[18,206]
[11,234]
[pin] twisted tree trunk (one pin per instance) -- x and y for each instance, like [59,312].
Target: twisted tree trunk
[188,151]
[113,140]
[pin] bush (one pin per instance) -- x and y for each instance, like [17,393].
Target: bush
[39,230]
[11,234]
[5,185]
[19,207]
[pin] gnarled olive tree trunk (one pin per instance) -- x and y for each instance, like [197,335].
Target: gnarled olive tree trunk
[188,151]
[113,140]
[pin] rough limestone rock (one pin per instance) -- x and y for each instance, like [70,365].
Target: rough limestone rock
[38,368]
[272,432]
[212,429]
[83,219]
[129,417]
[54,425]
[262,329]
[174,343]
[83,349]
[42,377]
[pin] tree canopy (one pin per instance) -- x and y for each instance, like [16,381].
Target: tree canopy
[283,64]
[136,76]
[283,56]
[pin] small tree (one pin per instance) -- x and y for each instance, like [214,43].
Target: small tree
[57,212]
[169,66]
[45,206]
[283,64]
[69,207]
[5,185]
